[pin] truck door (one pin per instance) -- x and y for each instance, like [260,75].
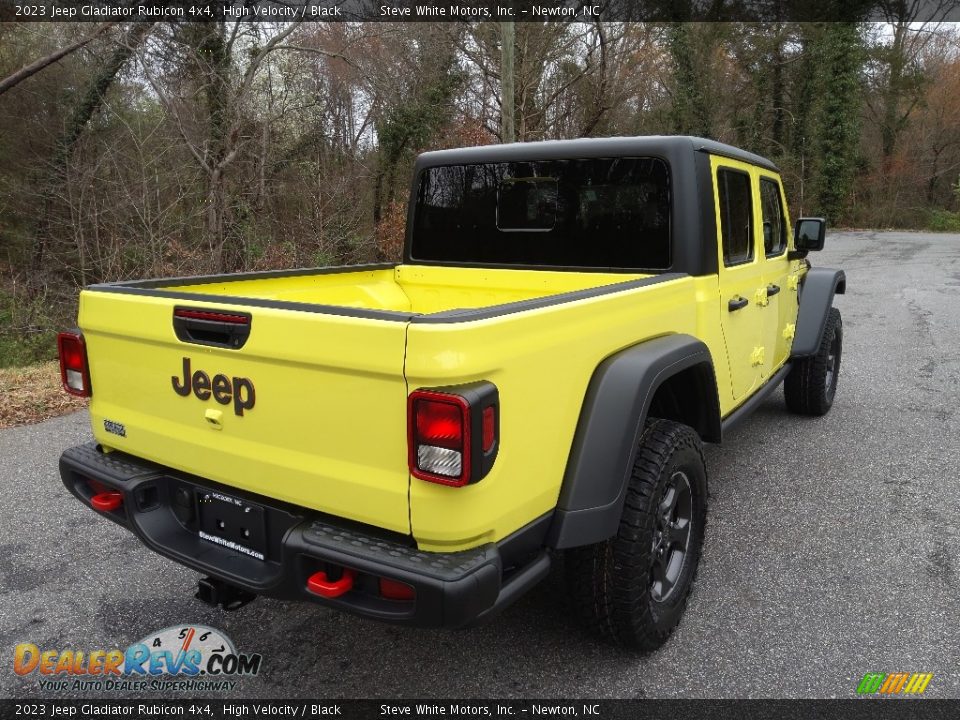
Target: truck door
[781,312]
[742,283]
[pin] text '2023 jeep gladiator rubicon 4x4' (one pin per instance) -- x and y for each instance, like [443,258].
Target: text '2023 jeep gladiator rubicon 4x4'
[416,442]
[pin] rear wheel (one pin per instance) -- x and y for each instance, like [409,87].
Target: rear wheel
[811,385]
[633,587]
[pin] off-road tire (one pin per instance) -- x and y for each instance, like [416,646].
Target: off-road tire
[612,584]
[811,384]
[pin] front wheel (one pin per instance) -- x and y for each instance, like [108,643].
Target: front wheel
[811,384]
[633,587]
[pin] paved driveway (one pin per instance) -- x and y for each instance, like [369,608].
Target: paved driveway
[832,548]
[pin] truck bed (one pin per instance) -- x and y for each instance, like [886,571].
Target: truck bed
[401,289]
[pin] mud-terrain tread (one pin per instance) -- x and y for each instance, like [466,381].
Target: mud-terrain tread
[617,604]
[805,386]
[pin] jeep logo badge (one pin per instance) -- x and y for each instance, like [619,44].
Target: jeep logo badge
[223,389]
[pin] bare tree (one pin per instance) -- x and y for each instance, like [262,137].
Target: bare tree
[226,92]
[33,68]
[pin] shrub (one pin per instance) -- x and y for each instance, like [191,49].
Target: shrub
[943,221]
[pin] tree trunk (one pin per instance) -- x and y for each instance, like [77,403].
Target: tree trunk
[89,104]
[214,60]
[600,103]
[92,98]
[890,127]
[841,128]
[33,68]
[777,92]
[690,113]
[214,221]
[803,130]
[507,96]
[378,195]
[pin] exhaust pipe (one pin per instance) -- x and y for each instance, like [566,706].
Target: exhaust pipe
[217,593]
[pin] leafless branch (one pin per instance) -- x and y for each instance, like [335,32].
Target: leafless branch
[33,68]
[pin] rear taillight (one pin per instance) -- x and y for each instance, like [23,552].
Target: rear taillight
[211,316]
[440,425]
[453,433]
[74,371]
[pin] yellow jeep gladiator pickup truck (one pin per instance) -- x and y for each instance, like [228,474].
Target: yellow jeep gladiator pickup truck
[418,443]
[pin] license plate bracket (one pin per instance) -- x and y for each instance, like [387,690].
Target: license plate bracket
[233,523]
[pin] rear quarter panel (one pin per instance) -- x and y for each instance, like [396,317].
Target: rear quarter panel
[541,360]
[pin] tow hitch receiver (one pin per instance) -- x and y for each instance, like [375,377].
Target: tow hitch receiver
[107,501]
[216,592]
[320,584]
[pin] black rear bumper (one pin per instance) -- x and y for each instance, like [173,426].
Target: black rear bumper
[451,589]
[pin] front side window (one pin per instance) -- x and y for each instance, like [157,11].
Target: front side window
[609,213]
[774,220]
[736,216]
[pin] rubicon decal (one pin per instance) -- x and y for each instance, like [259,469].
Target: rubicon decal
[899,683]
[223,389]
[182,651]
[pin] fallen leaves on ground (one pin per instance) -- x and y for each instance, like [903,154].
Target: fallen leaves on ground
[31,394]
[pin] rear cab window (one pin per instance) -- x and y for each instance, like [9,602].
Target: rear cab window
[593,213]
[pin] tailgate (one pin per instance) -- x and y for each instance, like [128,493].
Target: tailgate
[310,410]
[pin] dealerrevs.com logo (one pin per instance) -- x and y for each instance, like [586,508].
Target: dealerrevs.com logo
[181,657]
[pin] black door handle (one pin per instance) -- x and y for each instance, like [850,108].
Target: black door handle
[772,290]
[737,303]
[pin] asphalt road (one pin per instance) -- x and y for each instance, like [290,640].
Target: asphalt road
[832,548]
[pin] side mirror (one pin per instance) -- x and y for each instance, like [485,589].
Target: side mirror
[810,234]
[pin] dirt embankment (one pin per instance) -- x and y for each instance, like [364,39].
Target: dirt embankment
[31,394]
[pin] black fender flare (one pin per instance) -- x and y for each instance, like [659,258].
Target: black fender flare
[816,298]
[611,419]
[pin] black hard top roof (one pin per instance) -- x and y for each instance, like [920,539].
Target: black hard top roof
[589,147]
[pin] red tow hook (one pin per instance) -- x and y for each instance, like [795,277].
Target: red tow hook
[107,501]
[319,585]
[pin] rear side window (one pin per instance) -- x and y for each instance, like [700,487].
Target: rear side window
[736,216]
[610,213]
[774,220]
